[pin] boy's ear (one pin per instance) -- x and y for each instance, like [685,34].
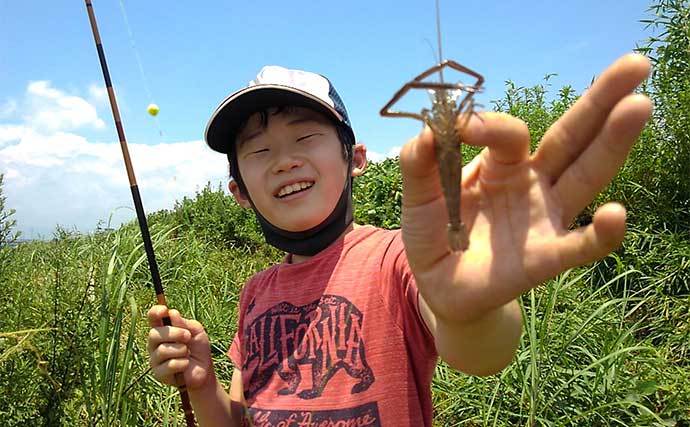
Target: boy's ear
[359,159]
[235,190]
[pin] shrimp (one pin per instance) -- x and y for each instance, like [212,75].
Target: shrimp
[447,119]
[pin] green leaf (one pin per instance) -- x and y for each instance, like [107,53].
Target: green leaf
[646,388]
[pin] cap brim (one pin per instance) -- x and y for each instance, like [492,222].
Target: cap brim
[226,120]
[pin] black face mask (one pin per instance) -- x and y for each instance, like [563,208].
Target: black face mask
[308,242]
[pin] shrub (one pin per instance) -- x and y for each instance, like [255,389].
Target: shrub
[7,223]
[377,195]
[216,217]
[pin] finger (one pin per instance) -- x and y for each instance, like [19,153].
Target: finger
[599,163]
[156,314]
[194,327]
[177,320]
[167,334]
[424,212]
[570,135]
[165,372]
[424,215]
[167,351]
[419,170]
[595,240]
[507,137]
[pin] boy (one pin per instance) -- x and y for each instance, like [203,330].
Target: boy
[347,330]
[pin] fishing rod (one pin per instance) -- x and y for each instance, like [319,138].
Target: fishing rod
[138,206]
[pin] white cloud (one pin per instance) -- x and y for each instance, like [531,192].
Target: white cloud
[50,109]
[53,175]
[374,156]
[9,133]
[98,95]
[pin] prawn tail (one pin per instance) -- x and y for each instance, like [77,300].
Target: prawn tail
[457,237]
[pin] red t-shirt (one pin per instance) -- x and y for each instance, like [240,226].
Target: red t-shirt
[337,340]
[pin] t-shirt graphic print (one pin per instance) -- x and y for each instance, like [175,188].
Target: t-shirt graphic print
[325,336]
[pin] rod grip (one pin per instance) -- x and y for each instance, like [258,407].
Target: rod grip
[182,388]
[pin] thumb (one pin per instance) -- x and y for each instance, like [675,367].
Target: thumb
[424,216]
[175,319]
[193,326]
[419,170]
[156,314]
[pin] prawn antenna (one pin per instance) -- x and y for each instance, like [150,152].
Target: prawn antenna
[438,38]
[433,51]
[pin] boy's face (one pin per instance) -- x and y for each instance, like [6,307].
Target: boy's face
[294,168]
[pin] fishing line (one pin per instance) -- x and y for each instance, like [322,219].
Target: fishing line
[139,63]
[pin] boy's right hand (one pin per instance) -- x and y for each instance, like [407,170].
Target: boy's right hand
[183,347]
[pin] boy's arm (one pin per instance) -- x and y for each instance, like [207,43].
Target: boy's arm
[518,207]
[482,347]
[214,407]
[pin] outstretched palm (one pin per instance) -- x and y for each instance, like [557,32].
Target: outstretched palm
[518,206]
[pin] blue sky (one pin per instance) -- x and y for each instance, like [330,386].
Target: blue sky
[58,146]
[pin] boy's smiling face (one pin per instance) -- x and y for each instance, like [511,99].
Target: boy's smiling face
[293,166]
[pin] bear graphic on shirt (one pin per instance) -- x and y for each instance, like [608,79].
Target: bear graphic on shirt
[324,334]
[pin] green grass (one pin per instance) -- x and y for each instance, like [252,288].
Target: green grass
[73,336]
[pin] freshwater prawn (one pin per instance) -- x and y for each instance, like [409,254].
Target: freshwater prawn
[452,107]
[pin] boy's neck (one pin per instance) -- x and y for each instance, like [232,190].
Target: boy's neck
[296,259]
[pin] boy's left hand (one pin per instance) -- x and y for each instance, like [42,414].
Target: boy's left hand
[518,206]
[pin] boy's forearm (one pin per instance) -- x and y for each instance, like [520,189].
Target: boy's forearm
[484,346]
[212,406]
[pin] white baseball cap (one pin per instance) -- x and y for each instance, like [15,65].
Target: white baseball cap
[274,86]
